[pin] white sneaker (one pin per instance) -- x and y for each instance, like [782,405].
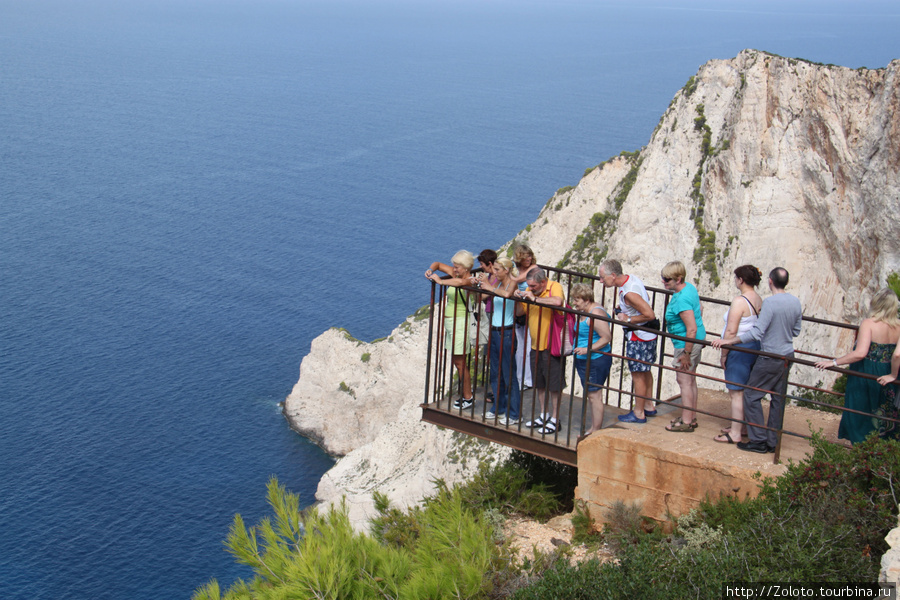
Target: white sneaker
[490,415]
[507,421]
[463,403]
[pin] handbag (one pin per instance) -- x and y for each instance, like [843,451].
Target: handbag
[561,328]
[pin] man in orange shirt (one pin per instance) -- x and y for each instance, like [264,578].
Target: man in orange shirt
[547,371]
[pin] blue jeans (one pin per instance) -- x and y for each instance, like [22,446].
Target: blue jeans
[503,372]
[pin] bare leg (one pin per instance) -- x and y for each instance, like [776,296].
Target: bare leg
[459,361]
[596,399]
[554,403]
[687,383]
[643,384]
[542,399]
[737,414]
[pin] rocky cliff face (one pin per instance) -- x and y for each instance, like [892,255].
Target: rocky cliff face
[361,401]
[759,159]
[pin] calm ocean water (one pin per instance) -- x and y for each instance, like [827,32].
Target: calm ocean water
[191,191]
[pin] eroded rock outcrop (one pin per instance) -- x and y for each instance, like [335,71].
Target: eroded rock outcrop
[759,159]
[361,401]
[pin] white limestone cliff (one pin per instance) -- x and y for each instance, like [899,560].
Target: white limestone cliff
[361,401]
[800,168]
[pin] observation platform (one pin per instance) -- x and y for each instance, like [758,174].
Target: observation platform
[667,473]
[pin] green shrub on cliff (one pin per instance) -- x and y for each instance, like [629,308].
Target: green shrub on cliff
[824,520]
[319,555]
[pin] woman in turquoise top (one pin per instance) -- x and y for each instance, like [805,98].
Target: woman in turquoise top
[684,318]
[456,316]
[504,382]
[593,370]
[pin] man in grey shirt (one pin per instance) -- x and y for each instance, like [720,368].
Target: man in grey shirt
[777,326]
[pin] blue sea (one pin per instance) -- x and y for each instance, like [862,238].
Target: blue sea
[192,190]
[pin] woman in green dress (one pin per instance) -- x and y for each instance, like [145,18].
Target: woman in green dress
[456,317]
[875,341]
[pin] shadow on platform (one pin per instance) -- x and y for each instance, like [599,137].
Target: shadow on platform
[666,473]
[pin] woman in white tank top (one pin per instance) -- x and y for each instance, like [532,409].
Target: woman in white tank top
[741,315]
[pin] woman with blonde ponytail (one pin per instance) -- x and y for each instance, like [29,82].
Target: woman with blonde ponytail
[876,339]
[504,383]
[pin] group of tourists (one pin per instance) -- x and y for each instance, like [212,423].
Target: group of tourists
[527,346]
[524,336]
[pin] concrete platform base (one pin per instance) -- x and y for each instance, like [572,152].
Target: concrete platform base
[667,474]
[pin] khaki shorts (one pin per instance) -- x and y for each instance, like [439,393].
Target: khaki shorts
[695,357]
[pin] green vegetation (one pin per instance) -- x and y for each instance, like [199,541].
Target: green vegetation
[690,87]
[628,181]
[589,248]
[447,554]
[343,387]
[823,400]
[563,190]
[893,282]
[348,337]
[365,357]
[420,315]
[824,520]
[450,547]
[705,252]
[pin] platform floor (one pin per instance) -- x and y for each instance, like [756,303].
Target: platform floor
[699,443]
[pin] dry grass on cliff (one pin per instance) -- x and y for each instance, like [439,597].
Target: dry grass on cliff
[530,537]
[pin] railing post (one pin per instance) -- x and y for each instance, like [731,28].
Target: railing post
[662,345]
[430,341]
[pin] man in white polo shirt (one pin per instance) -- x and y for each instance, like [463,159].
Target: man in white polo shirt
[634,309]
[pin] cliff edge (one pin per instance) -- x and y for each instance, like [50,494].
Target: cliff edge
[758,159]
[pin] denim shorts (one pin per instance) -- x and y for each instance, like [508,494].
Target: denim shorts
[739,364]
[599,370]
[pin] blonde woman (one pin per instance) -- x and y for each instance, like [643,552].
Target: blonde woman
[684,318]
[455,316]
[503,341]
[876,339]
[526,263]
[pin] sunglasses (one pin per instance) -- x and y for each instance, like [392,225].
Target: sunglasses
[667,279]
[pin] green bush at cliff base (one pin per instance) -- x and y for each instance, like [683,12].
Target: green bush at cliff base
[321,556]
[824,520]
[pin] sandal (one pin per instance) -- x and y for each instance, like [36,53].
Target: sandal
[728,429]
[727,439]
[680,426]
[693,424]
[549,427]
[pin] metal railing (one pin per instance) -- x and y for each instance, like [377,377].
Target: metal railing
[442,385]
